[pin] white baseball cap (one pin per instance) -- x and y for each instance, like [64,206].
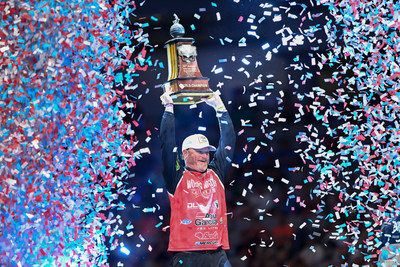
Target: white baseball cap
[197,141]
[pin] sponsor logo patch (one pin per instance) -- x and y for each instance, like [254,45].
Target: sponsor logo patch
[186,221]
[208,219]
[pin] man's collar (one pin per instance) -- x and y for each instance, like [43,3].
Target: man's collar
[193,170]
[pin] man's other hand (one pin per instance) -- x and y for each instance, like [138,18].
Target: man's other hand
[215,101]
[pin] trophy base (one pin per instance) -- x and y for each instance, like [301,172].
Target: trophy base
[188,91]
[189,98]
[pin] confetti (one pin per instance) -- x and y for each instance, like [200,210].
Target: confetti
[58,135]
[60,147]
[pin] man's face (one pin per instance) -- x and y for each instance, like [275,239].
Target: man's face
[197,159]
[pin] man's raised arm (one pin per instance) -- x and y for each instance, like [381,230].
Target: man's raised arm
[169,151]
[226,146]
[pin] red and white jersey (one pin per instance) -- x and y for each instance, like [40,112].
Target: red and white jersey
[198,206]
[198,213]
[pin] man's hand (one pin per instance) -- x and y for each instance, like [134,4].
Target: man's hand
[215,101]
[166,98]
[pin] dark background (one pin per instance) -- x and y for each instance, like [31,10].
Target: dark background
[263,231]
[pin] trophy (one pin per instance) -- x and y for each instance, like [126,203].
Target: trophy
[184,77]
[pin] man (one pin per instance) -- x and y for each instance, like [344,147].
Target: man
[198,225]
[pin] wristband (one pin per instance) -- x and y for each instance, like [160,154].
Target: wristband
[220,109]
[169,107]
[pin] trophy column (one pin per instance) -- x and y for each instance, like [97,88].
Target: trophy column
[184,76]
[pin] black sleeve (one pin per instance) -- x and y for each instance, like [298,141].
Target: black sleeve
[226,146]
[169,152]
[390,232]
